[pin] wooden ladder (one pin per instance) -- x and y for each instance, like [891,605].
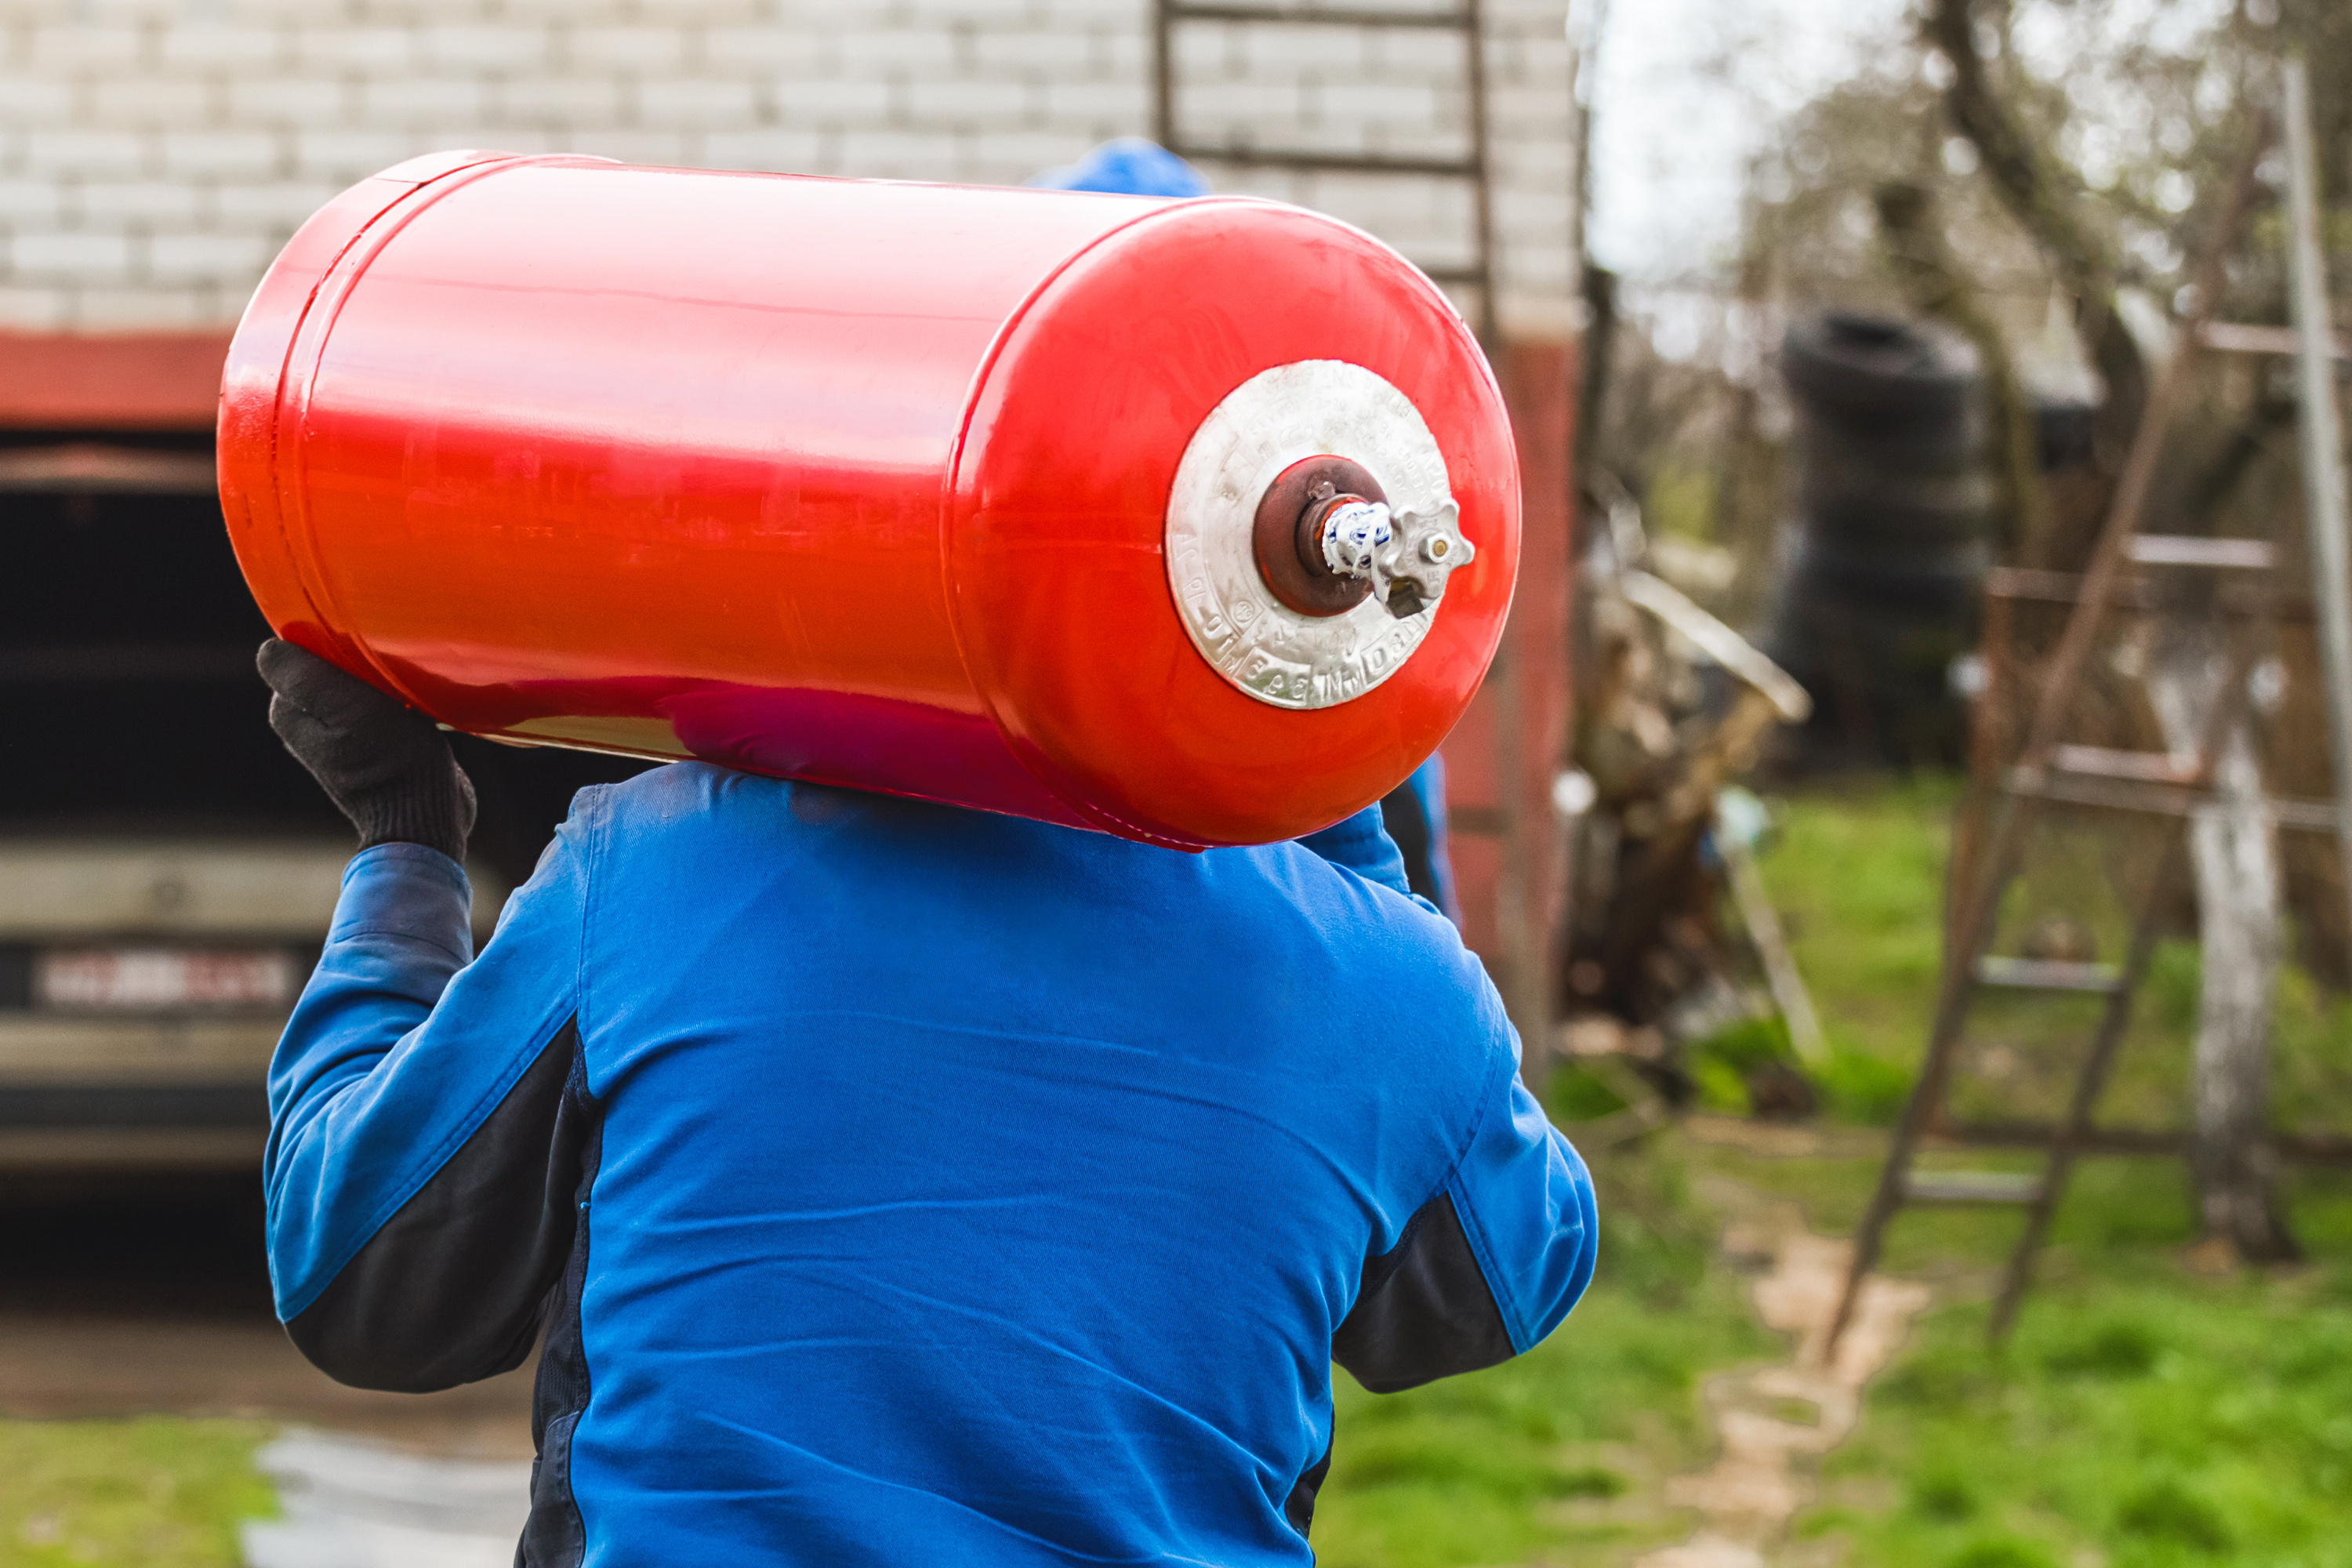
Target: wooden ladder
[2050,770]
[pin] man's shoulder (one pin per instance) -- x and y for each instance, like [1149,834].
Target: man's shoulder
[664,793]
[1336,917]
[1235,937]
[1374,940]
[694,811]
[684,795]
[1333,892]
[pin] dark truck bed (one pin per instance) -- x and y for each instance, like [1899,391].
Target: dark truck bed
[166,870]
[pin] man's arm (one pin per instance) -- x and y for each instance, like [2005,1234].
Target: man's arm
[429,1124]
[1493,1261]
[1488,1265]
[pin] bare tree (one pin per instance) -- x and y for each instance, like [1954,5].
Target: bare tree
[2044,198]
[1933,279]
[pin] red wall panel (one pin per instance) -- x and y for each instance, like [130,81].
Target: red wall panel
[1501,759]
[133,381]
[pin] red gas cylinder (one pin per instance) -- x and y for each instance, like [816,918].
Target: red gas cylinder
[1192,522]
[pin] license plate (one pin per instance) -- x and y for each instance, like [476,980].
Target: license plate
[146,978]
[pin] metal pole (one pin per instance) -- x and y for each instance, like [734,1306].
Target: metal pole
[1586,22]
[1163,75]
[2323,445]
[1482,156]
[1772,944]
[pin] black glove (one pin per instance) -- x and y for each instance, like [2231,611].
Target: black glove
[380,761]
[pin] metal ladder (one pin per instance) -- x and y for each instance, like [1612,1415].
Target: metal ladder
[1464,20]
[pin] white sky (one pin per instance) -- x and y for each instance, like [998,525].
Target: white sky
[1683,93]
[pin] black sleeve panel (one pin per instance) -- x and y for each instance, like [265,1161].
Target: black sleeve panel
[450,1289]
[556,1536]
[1425,1310]
[1300,1507]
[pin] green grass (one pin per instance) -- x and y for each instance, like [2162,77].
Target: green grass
[2146,1417]
[1858,873]
[1858,876]
[2141,1418]
[156,1491]
[1538,1456]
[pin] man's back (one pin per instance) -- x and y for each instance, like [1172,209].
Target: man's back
[915,1186]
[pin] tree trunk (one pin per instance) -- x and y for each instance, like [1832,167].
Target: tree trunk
[2043,193]
[2235,857]
[1936,285]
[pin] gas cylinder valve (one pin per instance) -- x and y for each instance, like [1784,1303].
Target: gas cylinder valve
[1409,574]
[1354,533]
[1406,558]
[1327,537]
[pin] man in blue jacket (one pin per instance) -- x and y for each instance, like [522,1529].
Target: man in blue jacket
[895,1184]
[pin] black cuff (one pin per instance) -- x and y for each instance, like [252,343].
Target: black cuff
[436,814]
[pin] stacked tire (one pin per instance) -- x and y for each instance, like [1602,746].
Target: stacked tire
[1895,510]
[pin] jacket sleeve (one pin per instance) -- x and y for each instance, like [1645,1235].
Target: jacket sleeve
[1488,1265]
[1362,843]
[1414,813]
[430,1122]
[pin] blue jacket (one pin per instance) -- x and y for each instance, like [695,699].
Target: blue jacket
[901,1184]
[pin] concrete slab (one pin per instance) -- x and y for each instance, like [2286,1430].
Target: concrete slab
[354,1503]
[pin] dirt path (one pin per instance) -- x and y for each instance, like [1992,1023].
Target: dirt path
[143,1300]
[56,1367]
[366,1480]
[1762,1477]
[126,1296]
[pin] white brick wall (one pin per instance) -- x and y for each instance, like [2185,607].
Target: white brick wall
[1529,124]
[1402,91]
[154,154]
